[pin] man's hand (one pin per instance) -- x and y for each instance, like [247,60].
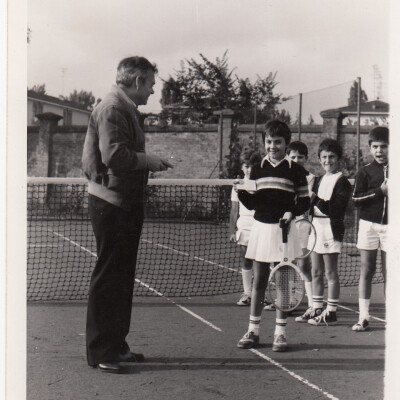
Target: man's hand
[384,188]
[232,238]
[155,163]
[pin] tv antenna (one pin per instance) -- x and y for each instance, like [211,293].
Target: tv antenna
[377,82]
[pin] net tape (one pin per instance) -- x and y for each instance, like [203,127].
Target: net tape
[184,249]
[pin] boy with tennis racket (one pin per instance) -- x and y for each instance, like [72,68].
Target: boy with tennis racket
[371,196]
[280,193]
[240,223]
[298,152]
[331,194]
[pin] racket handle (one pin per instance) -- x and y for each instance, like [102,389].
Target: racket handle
[284,225]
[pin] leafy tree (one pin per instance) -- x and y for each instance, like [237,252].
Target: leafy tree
[39,89]
[353,95]
[170,93]
[206,86]
[283,116]
[82,98]
[310,120]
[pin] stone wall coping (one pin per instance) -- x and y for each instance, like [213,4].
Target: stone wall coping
[209,128]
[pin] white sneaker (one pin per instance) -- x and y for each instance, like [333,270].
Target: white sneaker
[244,300]
[270,307]
[306,316]
[361,325]
[280,343]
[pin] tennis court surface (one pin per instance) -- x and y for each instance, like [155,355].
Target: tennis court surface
[184,318]
[191,353]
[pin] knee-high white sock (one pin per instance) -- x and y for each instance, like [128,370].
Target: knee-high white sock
[308,286]
[364,308]
[247,277]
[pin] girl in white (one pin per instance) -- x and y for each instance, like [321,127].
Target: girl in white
[240,223]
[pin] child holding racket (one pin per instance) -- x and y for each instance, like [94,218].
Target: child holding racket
[371,196]
[281,192]
[298,152]
[331,194]
[240,223]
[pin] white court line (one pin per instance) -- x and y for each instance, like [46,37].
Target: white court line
[180,306]
[293,374]
[203,320]
[74,243]
[170,248]
[256,352]
[350,309]
[148,287]
[188,255]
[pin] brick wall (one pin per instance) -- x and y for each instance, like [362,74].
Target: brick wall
[195,151]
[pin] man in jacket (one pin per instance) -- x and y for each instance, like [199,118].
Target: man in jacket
[117,166]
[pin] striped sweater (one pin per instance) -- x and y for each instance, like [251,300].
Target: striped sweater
[280,188]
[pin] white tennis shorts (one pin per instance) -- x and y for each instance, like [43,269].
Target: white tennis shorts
[265,243]
[325,243]
[371,236]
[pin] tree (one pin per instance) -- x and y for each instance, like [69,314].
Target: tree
[39,89]
[353,95]
[170,93]
[82,98]
[310,120]
[206,86]
[283,116]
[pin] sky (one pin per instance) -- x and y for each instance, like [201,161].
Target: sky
[311,44]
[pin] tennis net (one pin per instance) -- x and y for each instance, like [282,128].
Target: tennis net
[184,249]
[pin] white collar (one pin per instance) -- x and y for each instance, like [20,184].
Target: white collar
[266,158]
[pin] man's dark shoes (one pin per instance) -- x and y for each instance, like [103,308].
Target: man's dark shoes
[117,367]
[131,357]
[113,368]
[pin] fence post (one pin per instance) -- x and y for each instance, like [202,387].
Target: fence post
[224,133]
[44,150]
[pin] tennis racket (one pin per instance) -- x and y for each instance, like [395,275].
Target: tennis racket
[306,228]
[286,282]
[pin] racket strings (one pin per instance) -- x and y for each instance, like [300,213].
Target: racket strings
[286,288]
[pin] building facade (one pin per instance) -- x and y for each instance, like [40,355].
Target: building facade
[71,113]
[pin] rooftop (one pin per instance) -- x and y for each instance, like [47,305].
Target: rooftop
[55,100]
[370,107]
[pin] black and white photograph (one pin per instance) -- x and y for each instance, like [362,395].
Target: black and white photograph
[197,202]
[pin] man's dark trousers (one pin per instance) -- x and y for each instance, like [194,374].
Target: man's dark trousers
[109,308]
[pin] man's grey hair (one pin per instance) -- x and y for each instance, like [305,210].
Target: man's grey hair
[131,67]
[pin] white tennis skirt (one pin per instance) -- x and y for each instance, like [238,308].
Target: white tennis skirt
[242,236]
[265,243]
